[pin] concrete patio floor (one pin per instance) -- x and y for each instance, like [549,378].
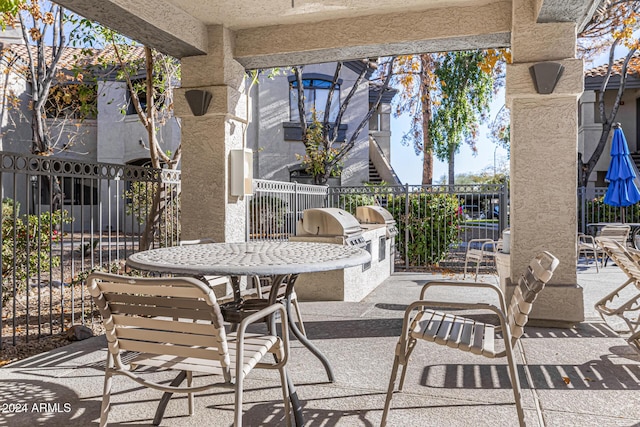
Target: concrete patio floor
[586,376]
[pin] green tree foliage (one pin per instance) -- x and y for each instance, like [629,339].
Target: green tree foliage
[8,11]
[466,88]
[320,151]
[429,95]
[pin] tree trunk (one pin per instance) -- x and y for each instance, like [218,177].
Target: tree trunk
[158,205]
[452,168]
[152,226]
[585,169]
[40,142]
[425,97]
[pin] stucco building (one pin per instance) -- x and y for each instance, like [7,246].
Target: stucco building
[274,127]
[628,115]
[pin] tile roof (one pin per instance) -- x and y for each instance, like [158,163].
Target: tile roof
[71,56]
[601,71]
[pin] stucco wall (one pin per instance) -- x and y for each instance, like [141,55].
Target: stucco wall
[591,129]
[276,157]
[119,135]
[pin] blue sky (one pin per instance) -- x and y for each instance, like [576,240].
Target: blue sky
[408,166]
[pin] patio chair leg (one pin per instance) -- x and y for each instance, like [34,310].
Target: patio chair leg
[515,384]
[411,345]
[464,275]
[238,404]
[190,398]
[285,395]
[477,270]
[106,393]
[392,381]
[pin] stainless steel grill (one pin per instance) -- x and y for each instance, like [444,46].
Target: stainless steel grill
[377,215]
[330,225]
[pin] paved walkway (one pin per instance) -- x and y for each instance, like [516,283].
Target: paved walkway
[586,376]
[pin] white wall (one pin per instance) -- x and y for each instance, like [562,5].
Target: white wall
[276,157]
[590,129]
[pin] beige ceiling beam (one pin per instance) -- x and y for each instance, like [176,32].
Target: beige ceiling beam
[433,30]
[156,23]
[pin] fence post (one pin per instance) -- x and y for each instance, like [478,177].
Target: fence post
[406,226]
[296,206]
[583,214]
[504,207]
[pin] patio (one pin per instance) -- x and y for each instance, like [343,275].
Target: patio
[582,376]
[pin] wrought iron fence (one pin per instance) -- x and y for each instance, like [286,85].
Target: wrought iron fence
[60,220]
[275,207]
[435,222]
[592,209]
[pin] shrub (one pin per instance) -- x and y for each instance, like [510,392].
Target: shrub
[26,245]
[374,195]
[433,222]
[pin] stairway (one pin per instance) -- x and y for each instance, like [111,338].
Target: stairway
[634,156]
[374,176]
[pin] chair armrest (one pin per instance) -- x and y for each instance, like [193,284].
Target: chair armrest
[257,317]
[470,285]
[493,244]
[586,238]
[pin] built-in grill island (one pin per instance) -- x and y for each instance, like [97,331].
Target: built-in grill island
[372,216]
[333,225]
[329,225]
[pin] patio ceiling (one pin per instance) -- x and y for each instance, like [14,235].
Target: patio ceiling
[286,32]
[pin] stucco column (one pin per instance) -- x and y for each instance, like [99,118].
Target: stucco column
[207,208]
[544,141]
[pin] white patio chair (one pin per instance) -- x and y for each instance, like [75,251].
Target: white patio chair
[465,334]
[261,288]
[487,250]
[624,301]
[617,232]
[176,323]
[587,247]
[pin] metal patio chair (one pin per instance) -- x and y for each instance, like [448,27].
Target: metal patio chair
[616,232]
[624,301]
[176,323]
[465,334]
[477,251]
[587,246]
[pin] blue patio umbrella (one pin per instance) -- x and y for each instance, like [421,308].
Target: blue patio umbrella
[622,189]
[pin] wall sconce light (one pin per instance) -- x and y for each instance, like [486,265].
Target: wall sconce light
[241,172]
[198,101]
[545,76]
